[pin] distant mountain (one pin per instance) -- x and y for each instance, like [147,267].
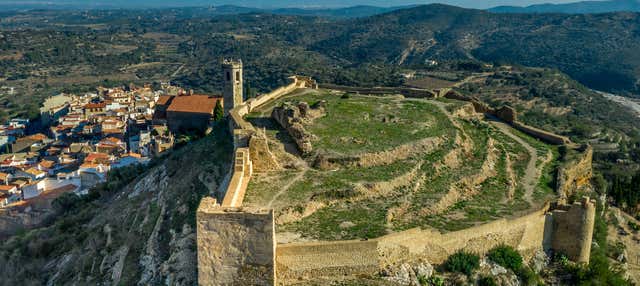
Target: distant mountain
[584,7]
[599,50]
[347,12]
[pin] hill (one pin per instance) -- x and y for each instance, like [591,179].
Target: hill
[597,50]
[136,231]
[574,8]
[382,164]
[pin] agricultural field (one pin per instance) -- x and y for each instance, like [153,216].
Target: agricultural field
[382,164]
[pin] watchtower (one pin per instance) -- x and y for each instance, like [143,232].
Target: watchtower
[232,93]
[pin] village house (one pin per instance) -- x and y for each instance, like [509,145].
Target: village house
[92,109]
[32,173]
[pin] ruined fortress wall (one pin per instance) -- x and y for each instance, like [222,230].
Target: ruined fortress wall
[234,247]
[296,82]
[545,136]
[526,234]
[575,174]
[566,230]
[406,91]
[326,259]
[573,230]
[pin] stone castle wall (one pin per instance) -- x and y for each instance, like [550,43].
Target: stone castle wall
[235,246]
[566,230]
[573,230]
[509,115]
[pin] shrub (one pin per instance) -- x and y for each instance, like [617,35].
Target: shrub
[635,227]
[506,257]
[462,262]
[434,281]
[529,277]
[487,281]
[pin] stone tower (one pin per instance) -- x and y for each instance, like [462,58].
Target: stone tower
[233,82]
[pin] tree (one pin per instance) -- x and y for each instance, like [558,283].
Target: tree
[218,112]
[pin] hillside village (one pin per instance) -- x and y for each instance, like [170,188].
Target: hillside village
[80,138]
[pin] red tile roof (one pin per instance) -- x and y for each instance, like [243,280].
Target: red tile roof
[93,157]
[96,105]
[164,100]
[194,104]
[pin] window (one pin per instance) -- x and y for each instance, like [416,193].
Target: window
[228,76]
[237,76]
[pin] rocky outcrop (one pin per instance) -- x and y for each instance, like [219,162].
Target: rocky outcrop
[575,174]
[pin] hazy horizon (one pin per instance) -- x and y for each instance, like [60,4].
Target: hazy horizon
[281,3]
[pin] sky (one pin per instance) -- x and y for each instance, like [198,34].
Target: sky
[291,3]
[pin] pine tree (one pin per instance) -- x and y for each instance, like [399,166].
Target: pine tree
[218,112]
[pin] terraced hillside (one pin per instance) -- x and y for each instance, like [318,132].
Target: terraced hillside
[384,164]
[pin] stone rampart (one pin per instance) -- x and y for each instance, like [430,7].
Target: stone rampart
[545,136]
[573,230]
[509,115]
[235,246]
[565,229]
[326,259]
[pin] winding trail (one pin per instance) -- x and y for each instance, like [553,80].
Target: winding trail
[286,187]
[531,173]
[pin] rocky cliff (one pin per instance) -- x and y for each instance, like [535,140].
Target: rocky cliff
[142,234]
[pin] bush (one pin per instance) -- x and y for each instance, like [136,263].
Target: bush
[506,257]
[529,277]
[487,281]
[462,262]
[433,281]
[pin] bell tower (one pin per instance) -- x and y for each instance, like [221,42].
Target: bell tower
[232,93]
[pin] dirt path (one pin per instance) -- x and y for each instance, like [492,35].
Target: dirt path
[472,77]
[531,174]
[286,187]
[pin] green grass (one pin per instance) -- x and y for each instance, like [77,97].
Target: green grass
[373,124]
